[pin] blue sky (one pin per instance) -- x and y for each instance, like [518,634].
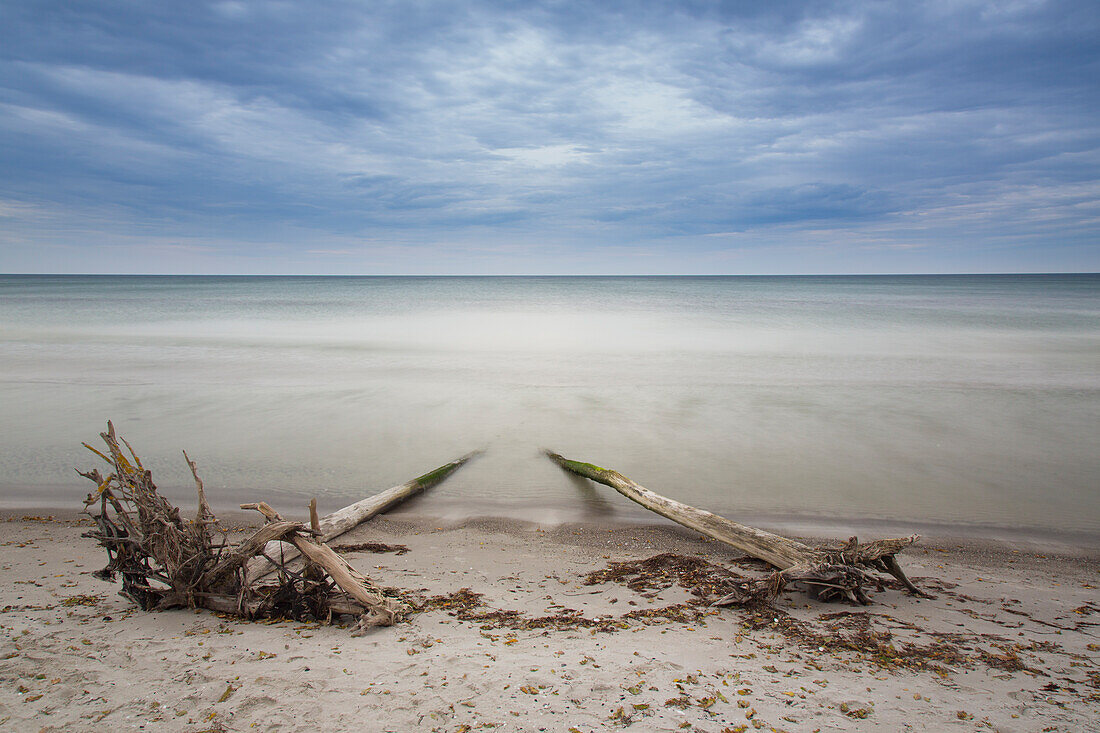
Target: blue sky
[553,137]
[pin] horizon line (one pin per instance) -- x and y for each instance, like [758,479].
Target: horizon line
[532,275]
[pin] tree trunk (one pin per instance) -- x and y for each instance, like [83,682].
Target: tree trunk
[343,520]
[340,521]
[382,611]
[829,573]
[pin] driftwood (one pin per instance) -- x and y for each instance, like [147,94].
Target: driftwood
[167,561]
[828,573]
[343,520]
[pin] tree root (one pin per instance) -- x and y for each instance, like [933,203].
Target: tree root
[167,561]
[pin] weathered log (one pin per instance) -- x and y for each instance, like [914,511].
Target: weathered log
[383,611]
[340,521]
[828,573]
[231,604]
[347,518]
[247,550]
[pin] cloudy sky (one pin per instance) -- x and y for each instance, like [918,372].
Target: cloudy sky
[549,137]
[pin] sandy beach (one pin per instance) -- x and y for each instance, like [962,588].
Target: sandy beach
[557,628]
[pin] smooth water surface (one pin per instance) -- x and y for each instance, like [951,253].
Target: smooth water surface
[965,400]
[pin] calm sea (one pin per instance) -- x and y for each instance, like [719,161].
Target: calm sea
[970,401]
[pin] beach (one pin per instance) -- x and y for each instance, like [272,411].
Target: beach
[731,367]
[557,627]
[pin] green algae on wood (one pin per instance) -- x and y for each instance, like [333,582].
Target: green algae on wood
[829,573]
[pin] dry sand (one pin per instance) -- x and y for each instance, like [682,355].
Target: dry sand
[1009,644]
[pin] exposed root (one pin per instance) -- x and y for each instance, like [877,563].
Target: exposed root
[167,561]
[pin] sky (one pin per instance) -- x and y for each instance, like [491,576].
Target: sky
[483,137]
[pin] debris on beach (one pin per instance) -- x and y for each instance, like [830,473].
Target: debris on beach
[829,574]
[285,569]
[702,579]
[465,605]
[372,547]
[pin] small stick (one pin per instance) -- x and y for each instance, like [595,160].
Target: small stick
[204,512]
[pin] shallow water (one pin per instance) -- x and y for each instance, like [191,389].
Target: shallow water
[959,400]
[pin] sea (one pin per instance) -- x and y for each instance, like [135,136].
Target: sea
[965,405]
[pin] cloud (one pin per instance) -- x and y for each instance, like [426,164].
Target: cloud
[280,130]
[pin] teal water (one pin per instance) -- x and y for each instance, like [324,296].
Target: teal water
[970,401]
